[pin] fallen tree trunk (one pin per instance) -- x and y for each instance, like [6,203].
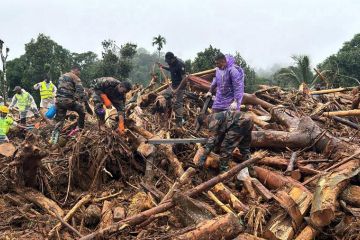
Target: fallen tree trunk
[222,227]
[351,195]
[296,202]
[139,218]
[328,189]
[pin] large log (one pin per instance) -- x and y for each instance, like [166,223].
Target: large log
[296,202]
[308,233]
[327,191]
[141,217]
[351,195]
[222,227]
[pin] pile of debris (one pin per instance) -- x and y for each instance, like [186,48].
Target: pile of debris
[303,177]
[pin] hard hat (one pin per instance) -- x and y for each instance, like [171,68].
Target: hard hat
[17,88]
[4,109]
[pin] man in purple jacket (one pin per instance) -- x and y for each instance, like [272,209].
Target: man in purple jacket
[229,84]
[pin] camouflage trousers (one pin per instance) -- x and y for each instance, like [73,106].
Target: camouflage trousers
[237,135]
[177,100]
[65,104]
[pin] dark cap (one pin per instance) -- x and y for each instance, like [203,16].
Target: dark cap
[76,66]
[169,56]
[17,88]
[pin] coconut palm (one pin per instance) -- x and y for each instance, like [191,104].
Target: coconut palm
[159,41]
[297,74]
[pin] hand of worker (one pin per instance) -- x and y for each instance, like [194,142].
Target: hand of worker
[233,106]
[160,65]
[208,94]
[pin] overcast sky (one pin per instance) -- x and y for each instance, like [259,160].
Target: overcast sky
[264,32]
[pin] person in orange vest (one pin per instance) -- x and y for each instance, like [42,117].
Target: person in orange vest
[47,92]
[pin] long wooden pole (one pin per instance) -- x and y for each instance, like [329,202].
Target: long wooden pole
[334,90]
[346,113]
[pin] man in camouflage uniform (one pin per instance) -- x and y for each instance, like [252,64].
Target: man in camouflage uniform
[228,130]
[114,90]
[69,96]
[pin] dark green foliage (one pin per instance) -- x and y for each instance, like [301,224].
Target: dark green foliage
[343,68]
[205,60]
[295,75]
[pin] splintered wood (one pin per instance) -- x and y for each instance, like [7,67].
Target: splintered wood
[301,182]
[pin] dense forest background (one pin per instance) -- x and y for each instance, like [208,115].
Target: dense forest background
[128,61]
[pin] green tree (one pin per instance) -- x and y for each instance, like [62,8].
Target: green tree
[45,56]
[250,76]
[343,68]
[159,41]
[117,61]
[205,60]
[145,66]
[294,76]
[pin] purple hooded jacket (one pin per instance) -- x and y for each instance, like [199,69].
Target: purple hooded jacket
[229,84]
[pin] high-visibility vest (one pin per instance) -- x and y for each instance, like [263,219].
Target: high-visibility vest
[46,92]
[23,100]
[5,124]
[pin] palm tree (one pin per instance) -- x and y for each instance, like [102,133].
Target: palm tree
[160,41]
[297,74]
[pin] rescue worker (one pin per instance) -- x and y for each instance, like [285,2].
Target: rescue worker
[25,103]
[175,90]
[47,92]
[228,130]
[70,96]
[109,89]
[228,83]
[5,123]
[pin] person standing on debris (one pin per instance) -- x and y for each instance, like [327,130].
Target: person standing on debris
[177,71]
[47,92]
[110,91]
[69,96]
[228,130]
[5,123]
[24,103]
[229,84]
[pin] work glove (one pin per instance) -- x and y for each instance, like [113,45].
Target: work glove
[208,94]
[233,106]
